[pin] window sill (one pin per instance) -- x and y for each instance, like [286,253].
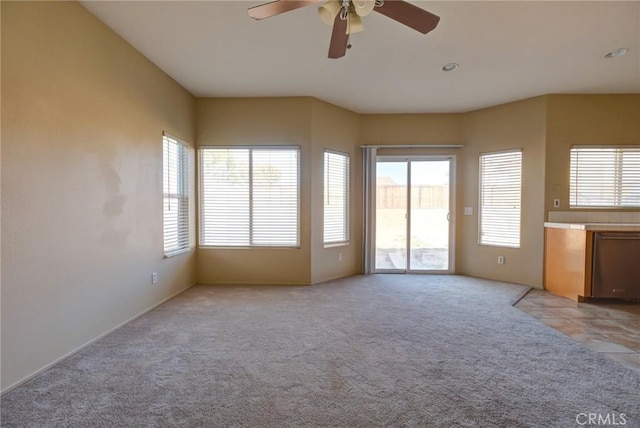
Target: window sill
[605,208]
[178,252]
[248,247]
[500,246]
[336,244]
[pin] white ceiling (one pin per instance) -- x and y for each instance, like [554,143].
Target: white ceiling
[507,50]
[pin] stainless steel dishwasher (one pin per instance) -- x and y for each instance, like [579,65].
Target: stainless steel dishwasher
[616,265]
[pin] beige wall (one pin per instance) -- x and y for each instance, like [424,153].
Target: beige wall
[335,128]
[285,121]
[426,129]
[314,125]
[259,121]
[584,120]
[514,125]
[510,126]
[82,121]
[416,129]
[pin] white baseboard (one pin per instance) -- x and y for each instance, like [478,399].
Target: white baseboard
[91,342]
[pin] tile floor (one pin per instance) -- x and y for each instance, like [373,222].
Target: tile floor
[611,328]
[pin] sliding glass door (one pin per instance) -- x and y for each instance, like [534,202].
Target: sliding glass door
[413,220]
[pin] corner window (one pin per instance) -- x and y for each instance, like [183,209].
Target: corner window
[336,198]
[249,196]
[175,184]
[605,176]
[500,198]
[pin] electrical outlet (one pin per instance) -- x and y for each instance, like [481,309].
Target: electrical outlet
[556,203]
[339,257]
[500,260]
[154,278]
[468,210]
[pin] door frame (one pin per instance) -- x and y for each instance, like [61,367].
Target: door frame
[452,211]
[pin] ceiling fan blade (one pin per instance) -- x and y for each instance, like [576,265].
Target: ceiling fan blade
[409,15]
[277,7]
[339,38]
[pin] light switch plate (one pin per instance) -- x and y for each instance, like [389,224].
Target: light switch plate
[468,210]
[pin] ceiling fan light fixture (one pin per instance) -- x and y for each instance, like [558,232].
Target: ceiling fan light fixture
[355,23]
[615,53]
[329,10]
[345,16]
[363,7]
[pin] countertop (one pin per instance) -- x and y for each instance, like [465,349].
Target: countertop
[596,227]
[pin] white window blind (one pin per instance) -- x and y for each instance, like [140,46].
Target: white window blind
[249,196]
[336,197]
[500,196]
[175,184]
[605,176]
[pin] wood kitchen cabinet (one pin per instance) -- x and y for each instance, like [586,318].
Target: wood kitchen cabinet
[567,262]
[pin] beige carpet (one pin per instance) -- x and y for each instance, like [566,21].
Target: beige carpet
[375,351]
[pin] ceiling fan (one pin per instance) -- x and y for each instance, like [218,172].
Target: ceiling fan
[346,16]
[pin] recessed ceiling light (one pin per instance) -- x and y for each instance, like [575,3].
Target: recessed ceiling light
[452,66]
[615,53]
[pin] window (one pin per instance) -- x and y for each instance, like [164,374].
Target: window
[336,198]
[175,184]
[605,176]
[249,196]
[500,189]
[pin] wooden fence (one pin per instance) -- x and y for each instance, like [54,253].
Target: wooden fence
[395,196]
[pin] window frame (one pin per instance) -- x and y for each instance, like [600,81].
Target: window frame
[618,188]
[481,194]
[346,230]
[201,190]
[182,173]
